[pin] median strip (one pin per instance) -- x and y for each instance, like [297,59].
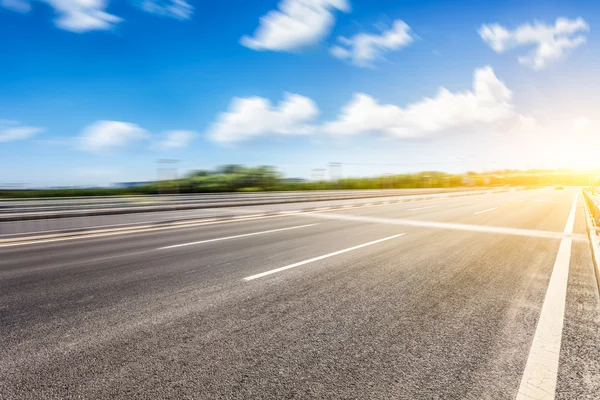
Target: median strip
[298,264]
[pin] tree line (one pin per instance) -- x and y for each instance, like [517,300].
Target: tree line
[235,178]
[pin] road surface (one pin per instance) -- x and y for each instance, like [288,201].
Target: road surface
[458,298]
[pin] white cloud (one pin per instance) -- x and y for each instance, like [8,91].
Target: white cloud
[20,6]
[13,131]
[552,42]
[179,9]
[487,107]
[73,15]
[488,103]
[83,15]
[175,140]
[255,116]
[90,15]
[297,24]
[102,136]
[364,48]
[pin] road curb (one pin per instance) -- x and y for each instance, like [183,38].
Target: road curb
[594,238]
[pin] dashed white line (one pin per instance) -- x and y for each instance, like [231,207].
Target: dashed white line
[484,211]
[541,370]
[235,236]
[421,208]
[298,264]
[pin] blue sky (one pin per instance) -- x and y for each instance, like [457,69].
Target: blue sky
[94,92]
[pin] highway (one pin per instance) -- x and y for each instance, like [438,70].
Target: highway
[24,217]
[488,296]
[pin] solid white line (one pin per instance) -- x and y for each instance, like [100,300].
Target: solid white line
[274,271]
[541,370]
[421,208]
[449,225]
[522,200]
[235,237]
[484,211]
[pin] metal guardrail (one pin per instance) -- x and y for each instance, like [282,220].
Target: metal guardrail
[593,202]
[593,229]
[18,210]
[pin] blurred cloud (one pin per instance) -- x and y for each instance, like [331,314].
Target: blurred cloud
[12,131]
[364,48]
[175,140]
[255,116]
[487,103]
[296,24]
[104,136]
[90,15]
[20,6]
[552,42]
[179,9]
[73,15]
[486,106]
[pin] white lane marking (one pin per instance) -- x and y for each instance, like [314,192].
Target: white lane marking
[541,370]
[522,200]
[449,225]
[484,211]
[27,240]
[421,208]
[235,236]
[298,264]
[124,231]
[545,201]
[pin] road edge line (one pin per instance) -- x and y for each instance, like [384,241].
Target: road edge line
[540,374]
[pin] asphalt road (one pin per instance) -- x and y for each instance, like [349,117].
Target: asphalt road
[440,299]
[238,204]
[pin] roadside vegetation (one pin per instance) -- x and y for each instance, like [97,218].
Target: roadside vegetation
[237,178]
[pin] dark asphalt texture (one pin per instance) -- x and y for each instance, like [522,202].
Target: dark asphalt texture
[434,314]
